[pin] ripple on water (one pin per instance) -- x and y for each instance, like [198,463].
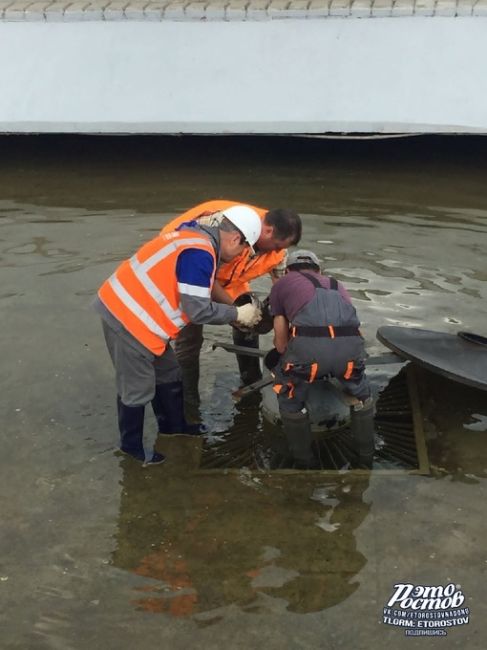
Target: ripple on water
[199,543]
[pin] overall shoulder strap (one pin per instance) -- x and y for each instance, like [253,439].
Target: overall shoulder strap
[314,280]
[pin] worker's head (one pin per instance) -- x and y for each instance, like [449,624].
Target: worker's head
[302,260]
[281,228]
[239,227]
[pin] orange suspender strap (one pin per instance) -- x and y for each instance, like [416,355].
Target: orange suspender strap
[312,373]
[349,370]
[278,387]
[331,330]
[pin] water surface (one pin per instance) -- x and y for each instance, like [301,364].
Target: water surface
[97,552]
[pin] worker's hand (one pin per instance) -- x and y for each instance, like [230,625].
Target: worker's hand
[248,315]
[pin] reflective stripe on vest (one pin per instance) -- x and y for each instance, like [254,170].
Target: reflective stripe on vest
[136,309]
[143,294]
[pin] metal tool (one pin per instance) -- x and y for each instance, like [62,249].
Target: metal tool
[240,349]
[252,388]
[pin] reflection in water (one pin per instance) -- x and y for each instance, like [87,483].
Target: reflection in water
[212,540]
[264,541]
[456,420]
[255,540]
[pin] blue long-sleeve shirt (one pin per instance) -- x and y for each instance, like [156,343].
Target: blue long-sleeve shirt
[194,271]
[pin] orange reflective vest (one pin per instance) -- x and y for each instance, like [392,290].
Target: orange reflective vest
[234,276]
[143,293]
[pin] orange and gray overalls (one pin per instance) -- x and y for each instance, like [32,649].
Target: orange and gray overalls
[325,342]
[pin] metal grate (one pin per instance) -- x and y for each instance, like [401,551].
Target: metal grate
[399,423]
[400,443]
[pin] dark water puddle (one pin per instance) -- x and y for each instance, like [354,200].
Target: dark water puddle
[209,542]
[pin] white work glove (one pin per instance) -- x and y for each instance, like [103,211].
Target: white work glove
[248,315]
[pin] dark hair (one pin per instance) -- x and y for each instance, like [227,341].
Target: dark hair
[228,226]
[286,223]
[303,266]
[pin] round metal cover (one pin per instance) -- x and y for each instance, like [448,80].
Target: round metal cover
[450,355]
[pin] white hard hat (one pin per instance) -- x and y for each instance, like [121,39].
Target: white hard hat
[247,221]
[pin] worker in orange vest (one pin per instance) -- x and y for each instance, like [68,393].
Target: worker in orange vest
[149,300]
[281,228]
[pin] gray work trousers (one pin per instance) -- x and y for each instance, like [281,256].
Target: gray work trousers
[137,372]
[331,358]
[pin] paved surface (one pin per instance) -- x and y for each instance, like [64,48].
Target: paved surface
[226,10]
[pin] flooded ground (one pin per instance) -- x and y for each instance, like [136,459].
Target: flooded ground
[96,552]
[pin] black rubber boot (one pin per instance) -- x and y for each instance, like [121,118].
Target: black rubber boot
[363,432]
[297,429]
[158,408]
[188,349]
[168,406]
[191,378]
[249,367]
[131,426]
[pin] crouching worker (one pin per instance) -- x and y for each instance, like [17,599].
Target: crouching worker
[149,300]
[316,331]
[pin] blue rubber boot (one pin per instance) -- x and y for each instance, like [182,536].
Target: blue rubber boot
[131,426]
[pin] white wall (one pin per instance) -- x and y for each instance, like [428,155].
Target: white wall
[287,76]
